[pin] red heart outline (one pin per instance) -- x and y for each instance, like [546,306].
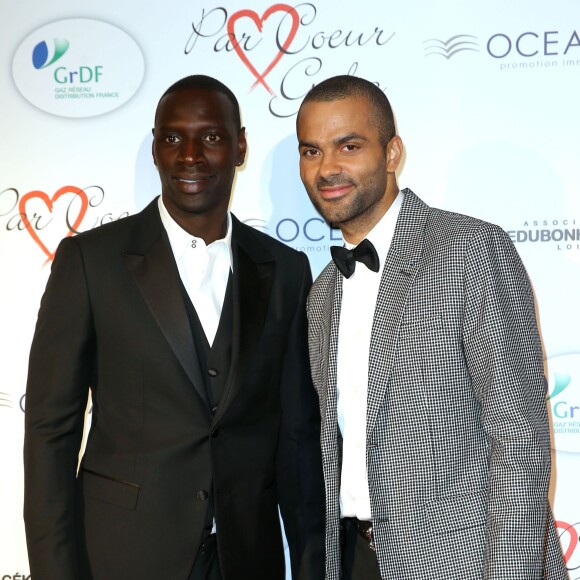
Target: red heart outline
[260,78]
[49,204]
[573,538]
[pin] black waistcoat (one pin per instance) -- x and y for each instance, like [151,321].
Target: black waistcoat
[214,362]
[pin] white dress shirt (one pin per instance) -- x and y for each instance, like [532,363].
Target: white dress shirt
[204,270]
[359,297]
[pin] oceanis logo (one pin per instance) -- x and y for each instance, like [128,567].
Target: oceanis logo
[525,49]
[41,57]
[311,235]
[5,400]
[452,46]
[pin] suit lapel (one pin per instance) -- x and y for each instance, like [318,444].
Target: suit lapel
[329,421]
[324,305]
[329,339]
[253,268]
[401,266]
[153,268]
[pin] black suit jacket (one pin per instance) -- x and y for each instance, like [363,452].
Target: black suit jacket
[113,319]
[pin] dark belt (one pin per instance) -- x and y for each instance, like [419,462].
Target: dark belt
[364,529]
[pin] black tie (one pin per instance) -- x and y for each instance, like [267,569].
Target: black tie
[346,260]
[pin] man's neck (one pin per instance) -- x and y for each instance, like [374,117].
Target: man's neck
[354,231]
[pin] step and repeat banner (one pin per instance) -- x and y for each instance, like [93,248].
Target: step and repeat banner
[486,100]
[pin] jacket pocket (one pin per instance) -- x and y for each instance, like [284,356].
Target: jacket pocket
[108,489]
[422,323]
[455,513]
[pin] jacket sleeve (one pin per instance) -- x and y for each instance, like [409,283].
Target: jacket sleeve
[504,358]
[60,371]
[299,463]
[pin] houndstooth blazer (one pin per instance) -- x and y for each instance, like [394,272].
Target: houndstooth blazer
[458,447]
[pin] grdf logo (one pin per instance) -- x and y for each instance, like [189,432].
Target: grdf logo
[75,68]
[564,401]
[40,53]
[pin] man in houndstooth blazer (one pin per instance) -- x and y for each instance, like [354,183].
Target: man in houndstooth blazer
[457,449]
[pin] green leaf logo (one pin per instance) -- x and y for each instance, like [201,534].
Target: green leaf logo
[560,383]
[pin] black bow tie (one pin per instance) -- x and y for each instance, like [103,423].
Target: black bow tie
[346,260]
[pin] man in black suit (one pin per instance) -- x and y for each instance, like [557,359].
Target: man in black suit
[189,329]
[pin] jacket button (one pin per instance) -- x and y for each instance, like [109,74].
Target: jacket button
[202,495]
[214,410]
[212,372]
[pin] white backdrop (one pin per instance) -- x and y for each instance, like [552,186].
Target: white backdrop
[485,95]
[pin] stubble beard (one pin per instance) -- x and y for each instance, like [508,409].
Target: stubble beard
[356,207]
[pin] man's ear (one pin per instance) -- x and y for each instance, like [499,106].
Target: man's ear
[153,147]
[394,153]
[242,146]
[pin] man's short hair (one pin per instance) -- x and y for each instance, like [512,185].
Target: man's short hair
[210,84]
[345,86]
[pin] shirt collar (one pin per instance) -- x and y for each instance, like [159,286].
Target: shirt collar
[181,240]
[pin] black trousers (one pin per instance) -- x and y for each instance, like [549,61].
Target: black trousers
[207,563]
[359,561]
